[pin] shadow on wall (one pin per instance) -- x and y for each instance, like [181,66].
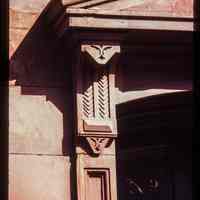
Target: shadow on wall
[43,61]
[40,60]
[42,66]
[156,60]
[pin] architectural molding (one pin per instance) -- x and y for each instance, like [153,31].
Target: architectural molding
[96,119]
[101,53]
[123,20]
[122,15]
[96,178]
[176,8]
[97,144]
[95,85]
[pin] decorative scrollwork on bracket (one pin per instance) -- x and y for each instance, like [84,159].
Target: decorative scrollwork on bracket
[97,144]
[101,53]
[101,50]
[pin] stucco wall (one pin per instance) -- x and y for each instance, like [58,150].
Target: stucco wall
[43,177]
[40,107]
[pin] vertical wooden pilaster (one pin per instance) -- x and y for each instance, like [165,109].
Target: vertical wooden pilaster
[96,122]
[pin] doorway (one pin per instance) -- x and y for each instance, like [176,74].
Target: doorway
[154,148]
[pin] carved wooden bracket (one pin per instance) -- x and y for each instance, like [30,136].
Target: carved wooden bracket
[96,121]
[95,91]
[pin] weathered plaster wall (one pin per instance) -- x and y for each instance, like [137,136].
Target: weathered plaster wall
[20,24]
[37,125]
[181,8]
[22,16]
[40,144]
[40,107]
[42,177]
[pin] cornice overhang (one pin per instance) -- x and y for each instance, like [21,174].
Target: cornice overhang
[119,16]
[114,25]
[128,15]
[125,20]
[84,15]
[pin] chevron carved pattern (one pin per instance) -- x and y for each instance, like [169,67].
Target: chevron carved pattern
[88,102]
[99,108]
[103,96]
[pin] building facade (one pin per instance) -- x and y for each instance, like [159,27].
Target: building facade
[100,99]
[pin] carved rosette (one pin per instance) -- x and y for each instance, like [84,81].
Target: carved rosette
[95,86]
